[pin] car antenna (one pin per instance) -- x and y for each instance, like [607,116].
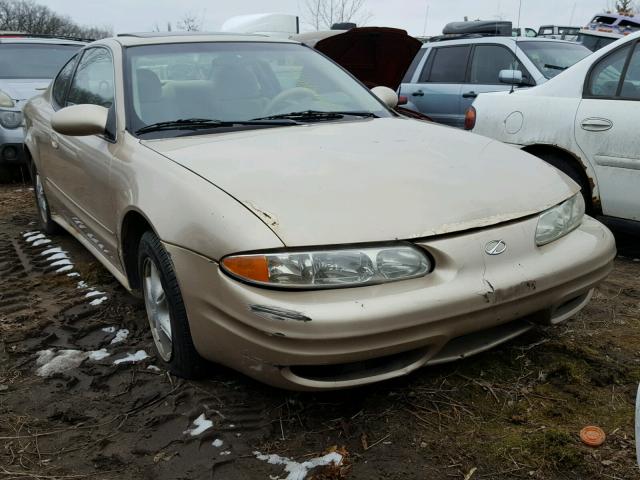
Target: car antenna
[513,86]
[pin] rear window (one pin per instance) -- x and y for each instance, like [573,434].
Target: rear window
[19,60]
[603,19]
[447,65]
[551,58]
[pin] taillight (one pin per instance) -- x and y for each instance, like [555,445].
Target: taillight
[470,119]
[403,100]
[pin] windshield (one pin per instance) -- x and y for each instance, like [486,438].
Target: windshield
[551,58]
[232,81]
[594,42]
[21,60]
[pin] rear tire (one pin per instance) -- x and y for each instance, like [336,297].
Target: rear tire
[166,311]
[42,204]
[570,169]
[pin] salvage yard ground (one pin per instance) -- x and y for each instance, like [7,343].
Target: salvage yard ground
[82,396]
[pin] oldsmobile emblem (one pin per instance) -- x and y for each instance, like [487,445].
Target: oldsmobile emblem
[495,247]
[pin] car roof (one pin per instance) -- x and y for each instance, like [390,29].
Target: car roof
[156,38]
[501,40]
[39,40]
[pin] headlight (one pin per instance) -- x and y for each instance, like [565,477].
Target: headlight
[10,119]
[317,269]
[6,101]
[560,220]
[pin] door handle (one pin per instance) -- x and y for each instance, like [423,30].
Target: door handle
[418,93]
[596,124]
[471,94]
[54,141]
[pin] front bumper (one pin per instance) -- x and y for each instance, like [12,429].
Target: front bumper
[343,338]
[12,146]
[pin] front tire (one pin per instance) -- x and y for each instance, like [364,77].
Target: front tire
[166,311]
[42,204]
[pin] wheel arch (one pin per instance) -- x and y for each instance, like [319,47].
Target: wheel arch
[134,224]
[585,170]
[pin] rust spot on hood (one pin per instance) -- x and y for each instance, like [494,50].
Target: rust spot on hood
[268,218]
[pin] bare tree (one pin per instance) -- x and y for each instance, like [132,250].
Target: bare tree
[322,14]
[29,17]
[190,22]
[626,7]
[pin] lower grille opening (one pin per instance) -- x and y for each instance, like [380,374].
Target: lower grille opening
[362,369]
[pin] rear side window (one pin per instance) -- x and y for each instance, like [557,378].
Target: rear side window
[487,62]
[62,82]
[605,76]
[447,65]
[631,84]
[414,64]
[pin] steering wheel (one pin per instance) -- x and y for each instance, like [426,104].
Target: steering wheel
[286,97]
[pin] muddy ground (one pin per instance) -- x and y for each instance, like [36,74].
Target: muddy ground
[514,412]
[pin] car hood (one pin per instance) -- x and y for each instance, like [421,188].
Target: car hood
[376,56]
[370,180]
[23,89]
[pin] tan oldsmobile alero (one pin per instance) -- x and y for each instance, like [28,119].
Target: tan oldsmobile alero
[277,217]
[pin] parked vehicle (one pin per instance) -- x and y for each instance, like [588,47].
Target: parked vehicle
[524,32]
[595,40]
[27,65]
[585,122]
[280,219]
[377,56]
[614,23]
[447,76]
[557,32]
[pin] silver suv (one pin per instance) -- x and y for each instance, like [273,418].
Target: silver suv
[27,65]
[446,76]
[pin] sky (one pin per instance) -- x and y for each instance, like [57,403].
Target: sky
[410,15]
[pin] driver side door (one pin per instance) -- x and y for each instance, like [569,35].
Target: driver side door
[79,167]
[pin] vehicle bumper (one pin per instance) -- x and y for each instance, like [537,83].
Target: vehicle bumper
[330,339]
[12,146]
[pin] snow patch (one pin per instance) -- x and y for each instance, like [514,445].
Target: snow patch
[66,268]
[64,261]
[99,354]
[109,329]
[94,293]
[153,368]
[217,443]
[57,256]
[82,284]
[98,301]
[51,250]
[298,471]
[132,357]
[200,424]
[28,234]
[42,241]
[226,452]
[73,274]
[34,237]
[121,336]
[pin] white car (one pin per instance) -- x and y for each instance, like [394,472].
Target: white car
[584,122]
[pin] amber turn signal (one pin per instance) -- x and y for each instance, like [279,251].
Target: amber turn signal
[470,119]
[249,267]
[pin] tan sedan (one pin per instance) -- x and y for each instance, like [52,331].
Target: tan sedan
[280,219]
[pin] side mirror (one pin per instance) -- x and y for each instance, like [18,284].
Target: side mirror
[510,77]
[80,120]
[388,96]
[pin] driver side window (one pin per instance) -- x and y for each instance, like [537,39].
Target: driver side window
[93,82]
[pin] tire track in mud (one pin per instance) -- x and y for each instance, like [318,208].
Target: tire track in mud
[131,417]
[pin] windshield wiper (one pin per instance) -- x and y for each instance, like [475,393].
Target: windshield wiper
[554,67]
[204,123]
[316,115]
